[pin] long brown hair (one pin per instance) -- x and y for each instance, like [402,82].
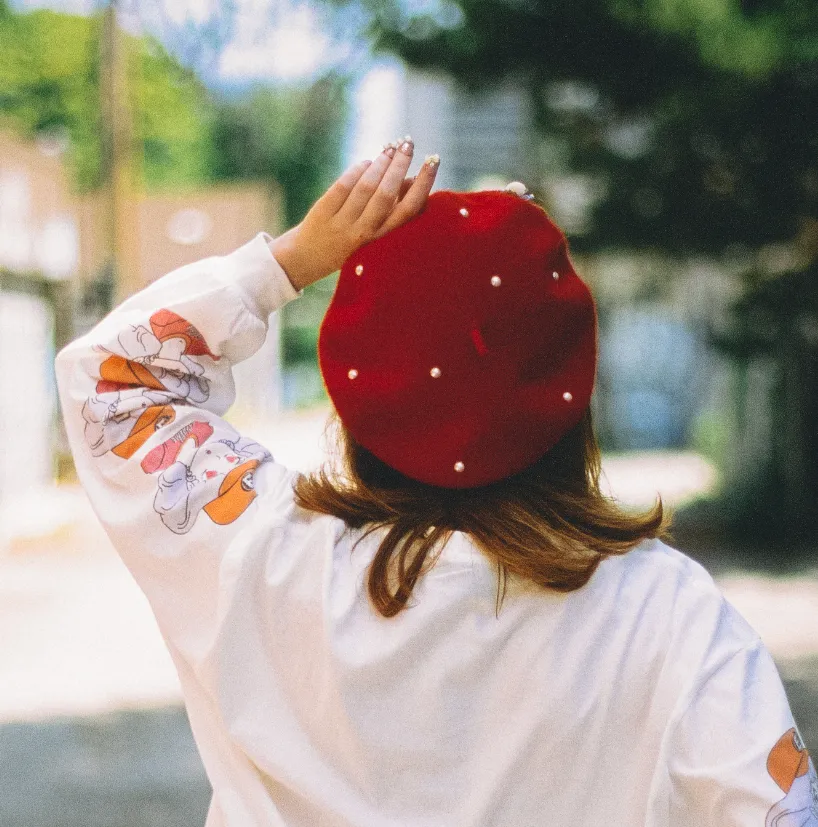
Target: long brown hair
[549,524]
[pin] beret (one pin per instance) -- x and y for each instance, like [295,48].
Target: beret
[461,346]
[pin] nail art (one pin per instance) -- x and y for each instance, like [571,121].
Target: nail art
[407,147]
[432,160]
[390,151]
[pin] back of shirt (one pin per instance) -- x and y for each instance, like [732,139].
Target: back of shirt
[641,699]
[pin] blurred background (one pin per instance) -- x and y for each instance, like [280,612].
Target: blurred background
[676,141]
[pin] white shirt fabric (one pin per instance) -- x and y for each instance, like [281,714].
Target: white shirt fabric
[642,699]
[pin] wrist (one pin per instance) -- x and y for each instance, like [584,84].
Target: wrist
[287,251]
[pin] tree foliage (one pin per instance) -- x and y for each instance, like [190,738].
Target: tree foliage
[49,83]
[290,135]
[183,134]
[696,117]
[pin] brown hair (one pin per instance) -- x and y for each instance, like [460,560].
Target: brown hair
[549,524]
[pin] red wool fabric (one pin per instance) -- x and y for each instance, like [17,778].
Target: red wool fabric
[461,346]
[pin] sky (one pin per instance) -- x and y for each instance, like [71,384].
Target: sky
[280,40]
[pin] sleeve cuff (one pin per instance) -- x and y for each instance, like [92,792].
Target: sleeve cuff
[262,279]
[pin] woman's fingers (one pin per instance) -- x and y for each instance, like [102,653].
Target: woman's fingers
[373,197]
[385,197]
[364,189]
[404,187]
[414,198]
[335,197]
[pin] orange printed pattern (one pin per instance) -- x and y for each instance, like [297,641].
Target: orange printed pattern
[200,469]
[791,767]
[123,421]
[160,356]
[201,466]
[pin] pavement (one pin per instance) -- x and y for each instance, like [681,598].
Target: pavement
[92,730]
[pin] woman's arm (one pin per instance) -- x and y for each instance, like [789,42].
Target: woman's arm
[143,393]
[735,756]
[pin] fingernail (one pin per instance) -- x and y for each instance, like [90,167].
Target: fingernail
[389,150]
[407,147]
[432,160]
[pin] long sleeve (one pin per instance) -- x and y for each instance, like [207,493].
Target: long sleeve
[736,758]
[142,394]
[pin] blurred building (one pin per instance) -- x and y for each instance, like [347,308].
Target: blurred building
[483,139]
[170,229]
[661,384]
[56,281]
[39,254]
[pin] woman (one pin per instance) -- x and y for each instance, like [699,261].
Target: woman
[453,628]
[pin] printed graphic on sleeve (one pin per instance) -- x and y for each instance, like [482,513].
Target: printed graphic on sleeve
[792,769]
[202,470]
[158,358]
[122,421]
[202,466]
[152,369]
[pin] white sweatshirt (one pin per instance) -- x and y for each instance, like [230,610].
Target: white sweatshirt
[640,700]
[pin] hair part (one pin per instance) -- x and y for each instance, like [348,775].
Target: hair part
[549,524]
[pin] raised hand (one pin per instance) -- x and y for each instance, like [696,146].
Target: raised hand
[367,201]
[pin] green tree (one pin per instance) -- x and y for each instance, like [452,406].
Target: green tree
[714,96]
[49,73]
[290,135]
[184,135]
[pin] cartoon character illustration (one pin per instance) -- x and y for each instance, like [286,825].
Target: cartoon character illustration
[159,359]
[792,769]
[151,370]
[123,421]
[197,473]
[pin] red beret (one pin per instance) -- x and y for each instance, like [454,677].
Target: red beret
[461,346]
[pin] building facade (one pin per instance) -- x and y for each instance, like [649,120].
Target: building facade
[39,257]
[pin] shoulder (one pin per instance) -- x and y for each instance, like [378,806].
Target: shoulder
[653,563]
[656,561]
[682,593]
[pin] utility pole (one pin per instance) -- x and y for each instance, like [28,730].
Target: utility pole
[119,209]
